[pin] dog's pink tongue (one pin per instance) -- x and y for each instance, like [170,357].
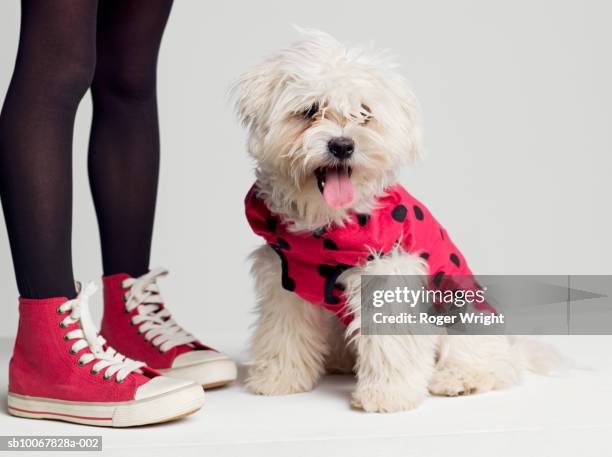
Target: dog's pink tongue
[338,190]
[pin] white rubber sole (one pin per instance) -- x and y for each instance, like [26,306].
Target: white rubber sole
[162,408]
[210,374]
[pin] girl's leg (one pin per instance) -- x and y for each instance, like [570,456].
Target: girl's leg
[123,171]
[54,68]
[124,147]
[55,372]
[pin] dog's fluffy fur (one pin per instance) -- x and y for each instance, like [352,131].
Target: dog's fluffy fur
[292,105]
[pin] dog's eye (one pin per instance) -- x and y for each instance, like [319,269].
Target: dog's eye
[366,113]
[311,111]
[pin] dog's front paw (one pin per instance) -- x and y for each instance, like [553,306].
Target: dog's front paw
[454,381]
[387,397]
[272,379]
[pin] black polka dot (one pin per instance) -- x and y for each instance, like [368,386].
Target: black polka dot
[283,243]
[418,213]
[331,274]
[288,284]
[318,233]
[330,244]
[455,259]
[325,270]
[399,213]
[332,300]
[362,219]
[425,255]
[271,224]
[437,280]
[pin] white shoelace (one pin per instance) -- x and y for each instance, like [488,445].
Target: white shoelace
[154,321]
[87,337]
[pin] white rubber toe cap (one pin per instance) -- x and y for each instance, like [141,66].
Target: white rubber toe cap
[160,385]
[204,367]
[196,357]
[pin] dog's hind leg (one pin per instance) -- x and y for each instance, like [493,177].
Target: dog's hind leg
[393,371]
[290,341]
[470,364]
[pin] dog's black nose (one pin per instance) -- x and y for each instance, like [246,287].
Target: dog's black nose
[341,147]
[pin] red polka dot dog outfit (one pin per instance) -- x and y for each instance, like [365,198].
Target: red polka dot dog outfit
[312,262]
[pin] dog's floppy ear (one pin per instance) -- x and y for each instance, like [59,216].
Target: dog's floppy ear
[408,120]
[415,149]
[251,94]
[394,103]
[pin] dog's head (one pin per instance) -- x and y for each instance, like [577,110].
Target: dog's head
[328,126]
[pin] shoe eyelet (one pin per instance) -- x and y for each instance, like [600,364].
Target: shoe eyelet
[62,324]
[59,311]
[119,381]
[72,352]
[93,372]
[66,337]
[132,322]
[138,331]
[80,363]
[125,298]
[106,378]
[161,352]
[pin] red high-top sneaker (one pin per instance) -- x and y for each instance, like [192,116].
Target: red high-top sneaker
[61,369]
[137,323]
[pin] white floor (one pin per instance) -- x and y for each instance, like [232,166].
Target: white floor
[565,415]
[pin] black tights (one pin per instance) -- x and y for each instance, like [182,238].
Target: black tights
[67,47]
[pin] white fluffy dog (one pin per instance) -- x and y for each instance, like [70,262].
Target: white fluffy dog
[295,105]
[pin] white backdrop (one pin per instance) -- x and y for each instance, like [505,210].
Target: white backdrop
[517,105]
